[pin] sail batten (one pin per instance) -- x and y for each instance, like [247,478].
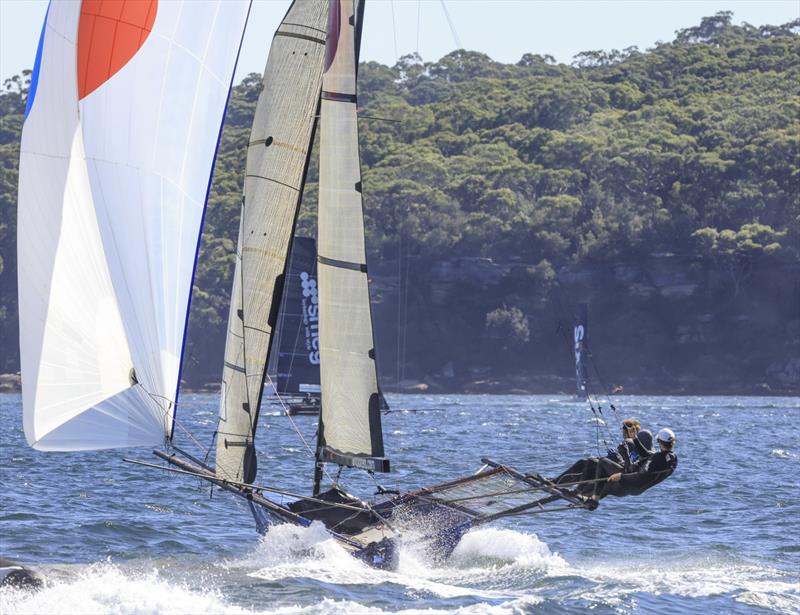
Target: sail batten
[350,425]
[277,160]
[117,147]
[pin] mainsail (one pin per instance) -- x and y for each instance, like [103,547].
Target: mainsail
[297,337]
[350,423]
[581,340]
[277,159]
[125,108]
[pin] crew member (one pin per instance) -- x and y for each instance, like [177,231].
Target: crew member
[589,475]
[628,453]
[650,472]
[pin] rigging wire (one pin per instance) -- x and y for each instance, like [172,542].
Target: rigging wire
[289,416]
[405,314]
[452,27]
[419,22]
[590,393]
[394,32]
[596,412]
[297,430]
[155,397]
[398,353]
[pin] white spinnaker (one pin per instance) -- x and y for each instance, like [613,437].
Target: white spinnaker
[277,156]
[111,197]
[350,399]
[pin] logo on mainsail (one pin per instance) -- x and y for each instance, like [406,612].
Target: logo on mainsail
[310,316]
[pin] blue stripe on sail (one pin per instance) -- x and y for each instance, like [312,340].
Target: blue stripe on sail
[202,221]
[36,64]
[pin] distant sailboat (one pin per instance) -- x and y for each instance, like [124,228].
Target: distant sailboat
[296,366]
[581,349]
[109,224]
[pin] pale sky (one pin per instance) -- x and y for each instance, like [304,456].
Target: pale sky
[503,29]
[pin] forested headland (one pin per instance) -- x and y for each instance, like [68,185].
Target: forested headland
[661,187]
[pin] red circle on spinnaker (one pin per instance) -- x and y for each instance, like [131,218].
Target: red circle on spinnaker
[110,32]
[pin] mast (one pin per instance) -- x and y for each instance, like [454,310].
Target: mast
[277,161]
[581,339]
[350,431]
[118,143]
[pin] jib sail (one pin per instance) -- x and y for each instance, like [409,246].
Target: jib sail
[277,158]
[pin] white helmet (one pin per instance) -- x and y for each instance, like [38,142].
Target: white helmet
[667,436]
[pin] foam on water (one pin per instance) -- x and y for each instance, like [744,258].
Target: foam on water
[288,552]
[502,547]
[747,583]
[104,588]
[347,607]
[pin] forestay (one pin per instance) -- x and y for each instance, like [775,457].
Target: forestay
[277,157]
[350,427]
[123,119]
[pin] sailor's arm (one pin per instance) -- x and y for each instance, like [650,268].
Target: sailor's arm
[634,479]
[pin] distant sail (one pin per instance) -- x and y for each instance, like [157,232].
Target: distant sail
[297,364]
[277,158]
[124,114]
[581,339]
[350,425]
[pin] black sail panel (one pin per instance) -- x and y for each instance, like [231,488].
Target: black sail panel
[297,363]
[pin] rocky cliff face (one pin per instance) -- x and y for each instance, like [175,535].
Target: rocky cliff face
[666,323]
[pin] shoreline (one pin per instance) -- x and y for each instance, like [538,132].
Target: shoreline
[10,385]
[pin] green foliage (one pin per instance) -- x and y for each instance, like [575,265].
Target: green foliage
[751,240]
[691,147]
[508,325]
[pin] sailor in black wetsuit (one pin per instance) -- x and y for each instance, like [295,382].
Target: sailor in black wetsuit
[650,472]
[589,473]
[628,453]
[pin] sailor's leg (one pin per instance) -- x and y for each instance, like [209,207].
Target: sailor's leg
[572,474]
[604,467]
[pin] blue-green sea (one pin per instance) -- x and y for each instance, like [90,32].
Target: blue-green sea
[722,535]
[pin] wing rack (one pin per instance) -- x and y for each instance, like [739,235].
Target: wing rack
[443,513]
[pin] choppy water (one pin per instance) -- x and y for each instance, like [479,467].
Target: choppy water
[720,536]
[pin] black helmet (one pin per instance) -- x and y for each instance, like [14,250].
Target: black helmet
[644,443]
